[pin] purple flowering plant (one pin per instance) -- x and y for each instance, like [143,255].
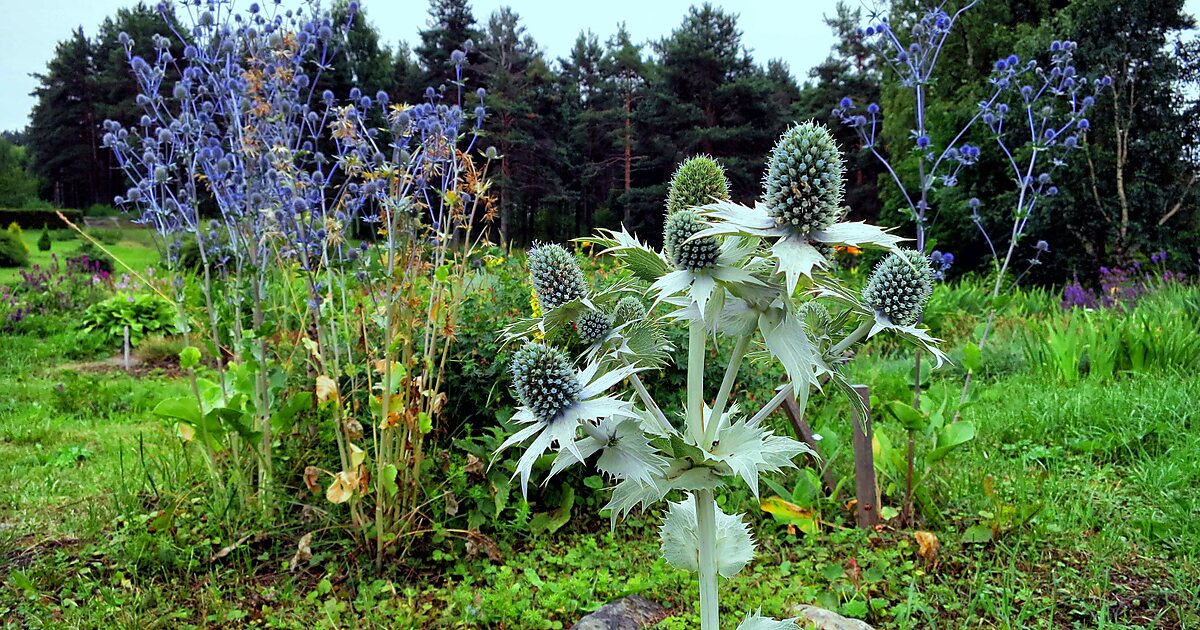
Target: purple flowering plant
[348,217]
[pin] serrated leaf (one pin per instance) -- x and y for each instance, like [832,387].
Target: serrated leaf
[758,622]
[681,543]
[788,341]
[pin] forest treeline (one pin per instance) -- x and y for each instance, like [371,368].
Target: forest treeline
[590,139]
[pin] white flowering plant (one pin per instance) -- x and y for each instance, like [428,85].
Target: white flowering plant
[753,278]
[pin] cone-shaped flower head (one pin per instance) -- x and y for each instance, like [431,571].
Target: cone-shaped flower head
[628,309]
[804,181]
[556,276]
[697,182]
[900,287]
[544,380]
[593,326]
[701,253]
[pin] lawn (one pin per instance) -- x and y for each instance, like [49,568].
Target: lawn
[134,250]
[96,531]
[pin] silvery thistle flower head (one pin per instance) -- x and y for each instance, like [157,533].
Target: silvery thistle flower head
[802,204]
[629,309]
[556,275]
[593,325]
[556,400]
[900,287]
[700,262]
[693,255]
[803,186]
[698,181]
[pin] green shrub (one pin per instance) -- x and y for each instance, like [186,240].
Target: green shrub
[106,235]
[19,234]
[101,210]
[44,243]
[13,252]
[35,217]
[144,314]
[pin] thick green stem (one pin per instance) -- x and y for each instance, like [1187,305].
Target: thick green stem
[852,338]
[648,400]
[706,531]
[731,370]
[695,383]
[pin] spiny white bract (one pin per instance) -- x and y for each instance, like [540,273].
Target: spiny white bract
[628,309]
[593,326]
[701,253]
[698,181]
[544,380]
[556,275]
[804,186]
[900,287]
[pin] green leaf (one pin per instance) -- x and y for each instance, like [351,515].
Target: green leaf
[910,417]
[951,437]
[552,521]
[978,534]
[388,480]
[184,408]
[442,274]
[189,357]
[424,423]
[972,357]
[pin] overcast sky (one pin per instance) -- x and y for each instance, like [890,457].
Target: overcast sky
[791,30]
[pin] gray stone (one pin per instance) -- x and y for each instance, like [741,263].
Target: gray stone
[627,613]
[822,619]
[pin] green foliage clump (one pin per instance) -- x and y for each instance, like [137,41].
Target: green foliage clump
[13,252]
[144,314]
[15,229]
[701,253]
[106,236]
[698,181]
[804,184]
[900,287]
[44,242]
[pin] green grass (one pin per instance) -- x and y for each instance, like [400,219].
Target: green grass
[1115,467]
[135,249]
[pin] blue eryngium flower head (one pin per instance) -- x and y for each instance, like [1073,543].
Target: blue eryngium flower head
[556,276]
[544,380]
[804,181]
[693,255]
[900,287]
[699,181]
[593,325]
[628,309]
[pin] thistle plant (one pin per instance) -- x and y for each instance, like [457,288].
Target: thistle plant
[748,278]
[291,175]
[1041,120]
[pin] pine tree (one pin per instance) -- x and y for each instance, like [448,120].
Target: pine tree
[526,127]
[64,150]
[451,26]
